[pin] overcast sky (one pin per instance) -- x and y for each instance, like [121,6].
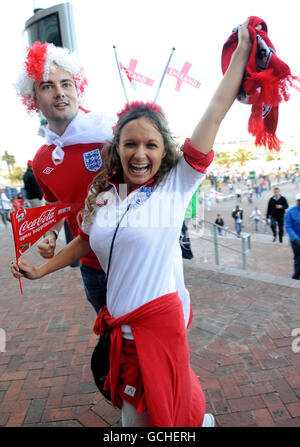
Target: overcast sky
[147,31]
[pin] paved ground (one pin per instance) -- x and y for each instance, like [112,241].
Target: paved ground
[240,342]
[241,346]
[225,208]
[265,256]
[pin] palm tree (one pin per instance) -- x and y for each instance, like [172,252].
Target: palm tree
[223,158]
[10,161]
[16,176]
[241,156]
[270,157]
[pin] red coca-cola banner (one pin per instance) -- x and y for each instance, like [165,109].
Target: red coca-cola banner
[31,223]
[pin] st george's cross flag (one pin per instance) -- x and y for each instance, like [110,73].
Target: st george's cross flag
[143,77]
[139,79]
[183,76]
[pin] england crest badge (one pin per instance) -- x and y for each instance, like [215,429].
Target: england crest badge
[93,160]
[143,193]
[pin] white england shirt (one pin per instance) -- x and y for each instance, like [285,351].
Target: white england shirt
[146,260]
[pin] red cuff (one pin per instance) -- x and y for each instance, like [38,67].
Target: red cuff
[83,235]
[198,160]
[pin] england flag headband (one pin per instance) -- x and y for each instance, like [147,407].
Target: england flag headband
[150,104]
[43,59]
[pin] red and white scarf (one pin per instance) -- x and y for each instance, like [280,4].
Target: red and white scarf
[265,84]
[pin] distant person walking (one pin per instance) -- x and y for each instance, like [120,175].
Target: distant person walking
[238,193]
[275,212]
[32,188]
[5,207]
[255,217]
[250,194]
[207,201]
[219,221]
[292,224]
[18,202]
[265,223]
[237,214]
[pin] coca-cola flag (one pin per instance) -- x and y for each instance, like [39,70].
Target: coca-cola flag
[30,224]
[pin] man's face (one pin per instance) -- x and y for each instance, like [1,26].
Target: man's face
[276,192]
[57,99]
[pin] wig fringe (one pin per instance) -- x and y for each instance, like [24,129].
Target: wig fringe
[43,59]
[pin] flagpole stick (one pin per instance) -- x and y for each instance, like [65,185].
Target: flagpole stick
[15,233]
[20,284]
[164,74]
[118,65]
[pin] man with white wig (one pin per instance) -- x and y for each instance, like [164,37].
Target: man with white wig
[52,84]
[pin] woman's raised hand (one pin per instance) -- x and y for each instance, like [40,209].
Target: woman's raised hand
[243,33]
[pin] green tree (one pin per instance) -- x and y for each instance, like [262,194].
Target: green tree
[241,156]
[16,175]
[223,158]
[270,157]
[9,160]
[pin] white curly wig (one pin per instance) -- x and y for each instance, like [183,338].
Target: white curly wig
[41,60]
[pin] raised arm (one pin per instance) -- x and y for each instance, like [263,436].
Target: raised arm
[205,132]
[73,251]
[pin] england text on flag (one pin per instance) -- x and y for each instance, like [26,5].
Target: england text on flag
[140,77]
[133,75]
[183,75]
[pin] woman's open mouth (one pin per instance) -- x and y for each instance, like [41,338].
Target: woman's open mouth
[139,168]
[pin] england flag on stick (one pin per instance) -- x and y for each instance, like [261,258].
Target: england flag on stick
[183,76]
[144,79]
[137,78]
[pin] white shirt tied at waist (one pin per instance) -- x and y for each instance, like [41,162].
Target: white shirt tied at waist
[139,250]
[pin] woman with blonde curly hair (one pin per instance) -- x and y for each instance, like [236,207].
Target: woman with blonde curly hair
[112,164]
[132,221]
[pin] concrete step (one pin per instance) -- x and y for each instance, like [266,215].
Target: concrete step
[265,256]
[240,273]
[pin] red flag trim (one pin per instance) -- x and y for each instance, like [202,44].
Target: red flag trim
[31,223]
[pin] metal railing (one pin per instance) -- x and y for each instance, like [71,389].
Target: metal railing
[245,241]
